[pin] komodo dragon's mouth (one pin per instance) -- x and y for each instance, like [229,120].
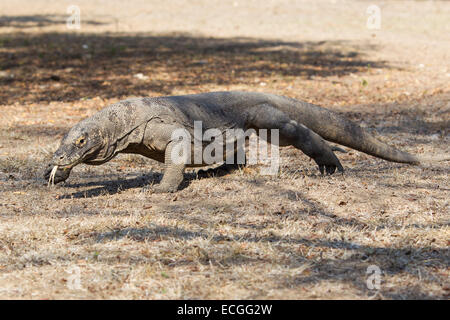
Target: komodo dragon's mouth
[55,174]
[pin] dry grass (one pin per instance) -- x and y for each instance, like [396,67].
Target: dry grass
[244,235]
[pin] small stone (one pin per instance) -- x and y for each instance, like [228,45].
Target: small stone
[6,74]
[140,76]
[435,136]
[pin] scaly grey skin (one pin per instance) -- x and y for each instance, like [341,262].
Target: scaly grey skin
[145,125]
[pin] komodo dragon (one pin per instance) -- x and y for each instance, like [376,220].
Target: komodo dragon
[145,125]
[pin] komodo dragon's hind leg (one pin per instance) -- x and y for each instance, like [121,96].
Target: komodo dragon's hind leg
[297,135]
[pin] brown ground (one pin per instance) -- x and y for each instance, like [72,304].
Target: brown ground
[297,235]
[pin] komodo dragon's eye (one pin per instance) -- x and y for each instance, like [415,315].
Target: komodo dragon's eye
[80,142]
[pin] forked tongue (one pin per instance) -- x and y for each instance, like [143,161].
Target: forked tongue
[51,179]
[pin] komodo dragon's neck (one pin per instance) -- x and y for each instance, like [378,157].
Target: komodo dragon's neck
[122,125]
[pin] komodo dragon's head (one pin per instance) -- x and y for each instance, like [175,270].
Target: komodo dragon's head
[84,143]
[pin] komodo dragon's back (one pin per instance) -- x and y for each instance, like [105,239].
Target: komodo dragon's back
[213,109]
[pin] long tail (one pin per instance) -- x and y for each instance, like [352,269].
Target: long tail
[435,158]
[332,127]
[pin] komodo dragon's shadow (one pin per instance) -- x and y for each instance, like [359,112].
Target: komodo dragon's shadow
[109,186]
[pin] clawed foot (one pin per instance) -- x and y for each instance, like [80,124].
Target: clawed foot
[222,170]
[328,163]
[163,188]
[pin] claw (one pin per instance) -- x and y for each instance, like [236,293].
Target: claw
[331,169]
[322,168]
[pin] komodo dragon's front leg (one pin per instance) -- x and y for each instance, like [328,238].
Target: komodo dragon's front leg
[158,136]
[173,172]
